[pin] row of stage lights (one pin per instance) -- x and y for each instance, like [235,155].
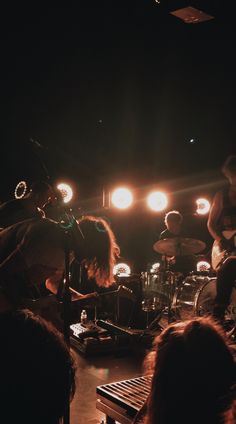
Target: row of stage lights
[157,201]
[122,269]
[121,198]
[64,188]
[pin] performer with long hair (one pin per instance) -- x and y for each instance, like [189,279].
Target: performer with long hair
[33,251]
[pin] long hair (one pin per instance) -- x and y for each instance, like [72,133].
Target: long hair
[100,249]
[193,375]
[37,370]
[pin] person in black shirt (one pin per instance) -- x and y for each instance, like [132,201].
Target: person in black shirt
[222,227]
[33,251]
[174,229]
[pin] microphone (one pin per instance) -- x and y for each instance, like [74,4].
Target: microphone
[126,292]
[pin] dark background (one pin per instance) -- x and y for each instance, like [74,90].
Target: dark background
[113,92]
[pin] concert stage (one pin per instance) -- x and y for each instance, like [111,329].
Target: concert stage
[96,371]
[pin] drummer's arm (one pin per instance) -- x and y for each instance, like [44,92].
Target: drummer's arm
[214,216]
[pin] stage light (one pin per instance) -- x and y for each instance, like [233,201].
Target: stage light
[20,190]
[155,267]
[121,270]
[66,192]
[122,198]
[203,266]
[157,201]
[203,206]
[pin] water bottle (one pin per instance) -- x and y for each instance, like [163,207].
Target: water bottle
[83,317]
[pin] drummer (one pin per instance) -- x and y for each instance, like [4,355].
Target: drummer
[174,228]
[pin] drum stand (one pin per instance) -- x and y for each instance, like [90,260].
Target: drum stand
[166,310]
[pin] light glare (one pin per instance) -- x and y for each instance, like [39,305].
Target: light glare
[20,190]
[157,201]
[66,192]
[155,267]
[203,206]
[203,266]
[121,270]
[122,198]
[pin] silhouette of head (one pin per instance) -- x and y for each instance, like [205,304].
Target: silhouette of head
[41,192]
[173,221]
[193,374]
[36,368]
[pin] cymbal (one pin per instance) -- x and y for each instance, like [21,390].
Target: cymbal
[179,246]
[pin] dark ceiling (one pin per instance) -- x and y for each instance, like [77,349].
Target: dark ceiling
[111,91]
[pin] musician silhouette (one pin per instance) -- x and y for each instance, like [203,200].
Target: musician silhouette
[180,262]
[33,251]
[30,206]
[222,227]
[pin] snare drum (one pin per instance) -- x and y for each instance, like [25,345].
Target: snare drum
[196,296]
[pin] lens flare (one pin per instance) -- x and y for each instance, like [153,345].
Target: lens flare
[66,192]
[203,266]
[155,267]
[122,198]
[121,270]
[20,190]
[157,201]
[203,206]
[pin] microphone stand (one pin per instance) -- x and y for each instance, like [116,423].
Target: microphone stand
[66,299]
[66,302]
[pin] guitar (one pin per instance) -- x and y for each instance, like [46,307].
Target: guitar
[219,255]
[50,308]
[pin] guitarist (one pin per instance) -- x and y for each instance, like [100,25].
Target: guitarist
[33,251]
[221,225]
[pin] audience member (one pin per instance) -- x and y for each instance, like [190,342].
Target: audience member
[37,370]
[193,376]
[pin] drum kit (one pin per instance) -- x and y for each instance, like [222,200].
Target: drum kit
[171,296]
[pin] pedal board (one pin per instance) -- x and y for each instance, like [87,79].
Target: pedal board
[91,338]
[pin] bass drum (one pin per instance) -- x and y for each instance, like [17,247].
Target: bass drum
[195,297]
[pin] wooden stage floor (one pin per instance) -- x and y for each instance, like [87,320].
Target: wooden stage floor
[98,370]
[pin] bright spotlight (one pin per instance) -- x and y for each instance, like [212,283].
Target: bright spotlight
[121,270]
[155,267]
[122,198]
[203,206]
[157,201]
[203,266]
[66,192]
[20,190]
